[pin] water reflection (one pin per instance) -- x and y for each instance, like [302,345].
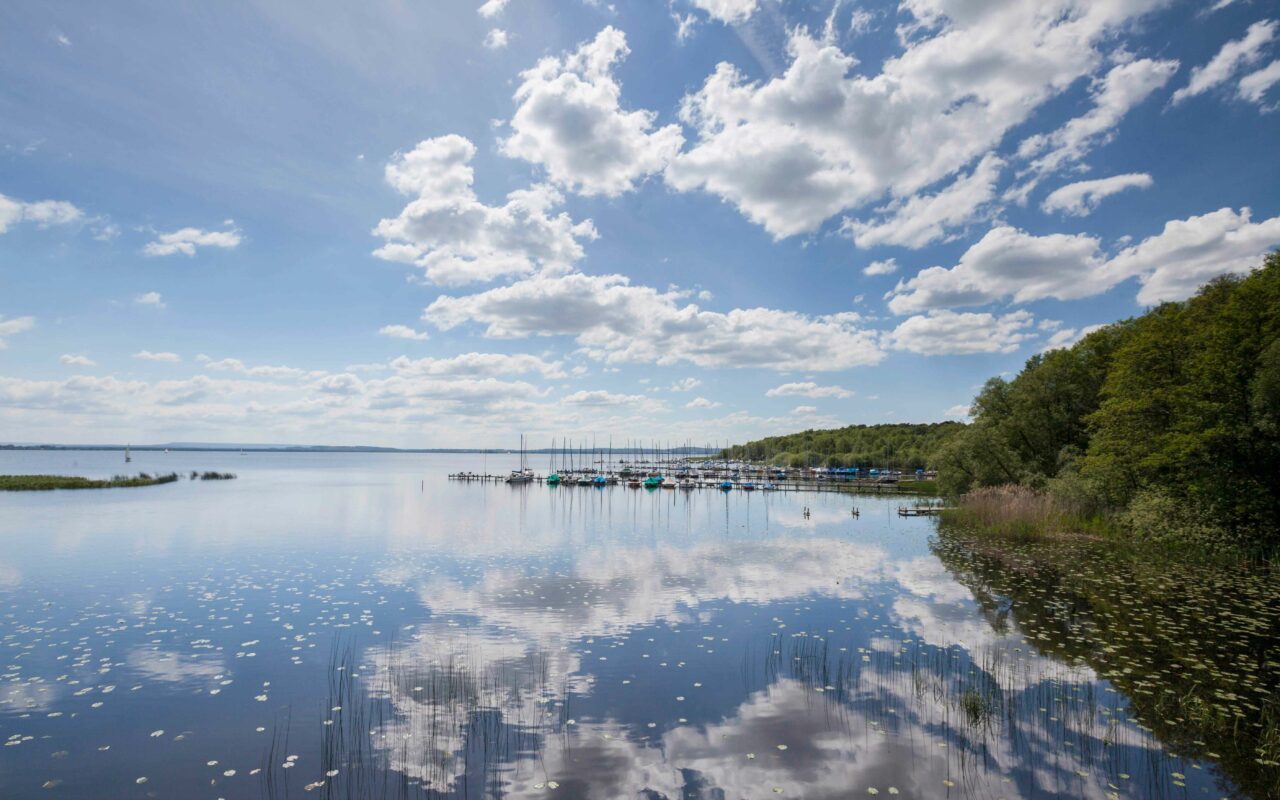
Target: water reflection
[361,628]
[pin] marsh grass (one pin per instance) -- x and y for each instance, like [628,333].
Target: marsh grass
[39,483]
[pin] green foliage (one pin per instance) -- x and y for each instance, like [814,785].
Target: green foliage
[1170,421]
[19,483]
[901,446]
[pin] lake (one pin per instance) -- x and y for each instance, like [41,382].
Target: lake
[358,626]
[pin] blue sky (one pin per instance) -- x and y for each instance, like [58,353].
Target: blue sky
[447,223]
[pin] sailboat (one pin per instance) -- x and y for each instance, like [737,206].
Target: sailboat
[554,478]
[127,457]
[524,474]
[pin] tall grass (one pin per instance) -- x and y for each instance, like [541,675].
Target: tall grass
[1021,512]
[40,483]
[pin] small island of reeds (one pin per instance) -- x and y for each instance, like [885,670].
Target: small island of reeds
[41,483]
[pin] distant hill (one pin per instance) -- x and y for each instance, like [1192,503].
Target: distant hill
[898,445]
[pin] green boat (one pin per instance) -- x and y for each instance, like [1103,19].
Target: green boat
[652,482]
[553,479]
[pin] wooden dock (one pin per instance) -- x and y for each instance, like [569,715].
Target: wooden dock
[570,482]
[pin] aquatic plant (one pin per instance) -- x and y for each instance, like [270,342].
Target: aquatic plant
[18,483]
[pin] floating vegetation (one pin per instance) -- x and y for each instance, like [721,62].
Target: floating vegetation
[213,476]
[1194,646]
[21,483]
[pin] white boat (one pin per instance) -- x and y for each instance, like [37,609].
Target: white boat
[524,474]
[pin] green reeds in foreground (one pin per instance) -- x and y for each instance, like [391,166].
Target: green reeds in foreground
[21,483]
[1020,512]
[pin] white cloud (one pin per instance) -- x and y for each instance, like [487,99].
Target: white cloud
[728,11]
[617,322]
[456,238]
[600,397]
[686,385]
[1233,55]
[403,332]
[961,412]
[1125,86]
[9,327]
[570,122]
[701,402]
[808,389]
[1008,261]
[924,219]
[495,39]
[41,213]
[799,148]
[804,410]
[1171,265]
[152,299]
[492,8]
[1082,197]
[1254,86]
[78,361]
[951,333]
[478,365]
[147,355]
[886,267]
[187,240]
[1069,336]
[239,367]
[1174,263]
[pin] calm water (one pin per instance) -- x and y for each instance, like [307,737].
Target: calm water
[357,626]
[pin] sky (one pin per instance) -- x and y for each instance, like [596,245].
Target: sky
[447,223]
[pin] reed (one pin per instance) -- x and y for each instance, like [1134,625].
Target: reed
[41,483]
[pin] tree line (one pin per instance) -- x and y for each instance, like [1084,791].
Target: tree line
[899,446]
[1167,424]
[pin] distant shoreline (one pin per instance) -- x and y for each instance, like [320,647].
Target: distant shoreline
[677,451]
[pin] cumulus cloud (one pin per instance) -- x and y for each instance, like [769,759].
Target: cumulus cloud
[600,397]
[151,299]
[403,332]
[1228,61]
[803,411]
[950,333]
[1008,262]
[728,11]
[808,389]
[1069,336]
[492,8]
[1082,197]
[495,39]
[923,219]
[10,326]
[479,365]
[1171,265]
[686,385]
[886,267]
[457,239]
[1253,87]
[571,122]
[960,412]
[1124,86]
[239,367]
[792,151]
[701,402]
[77,361]
[617,322]
[147,355]
[187,240]
[41,213]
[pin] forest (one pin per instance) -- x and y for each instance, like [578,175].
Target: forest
[1165,426]
[899,446]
